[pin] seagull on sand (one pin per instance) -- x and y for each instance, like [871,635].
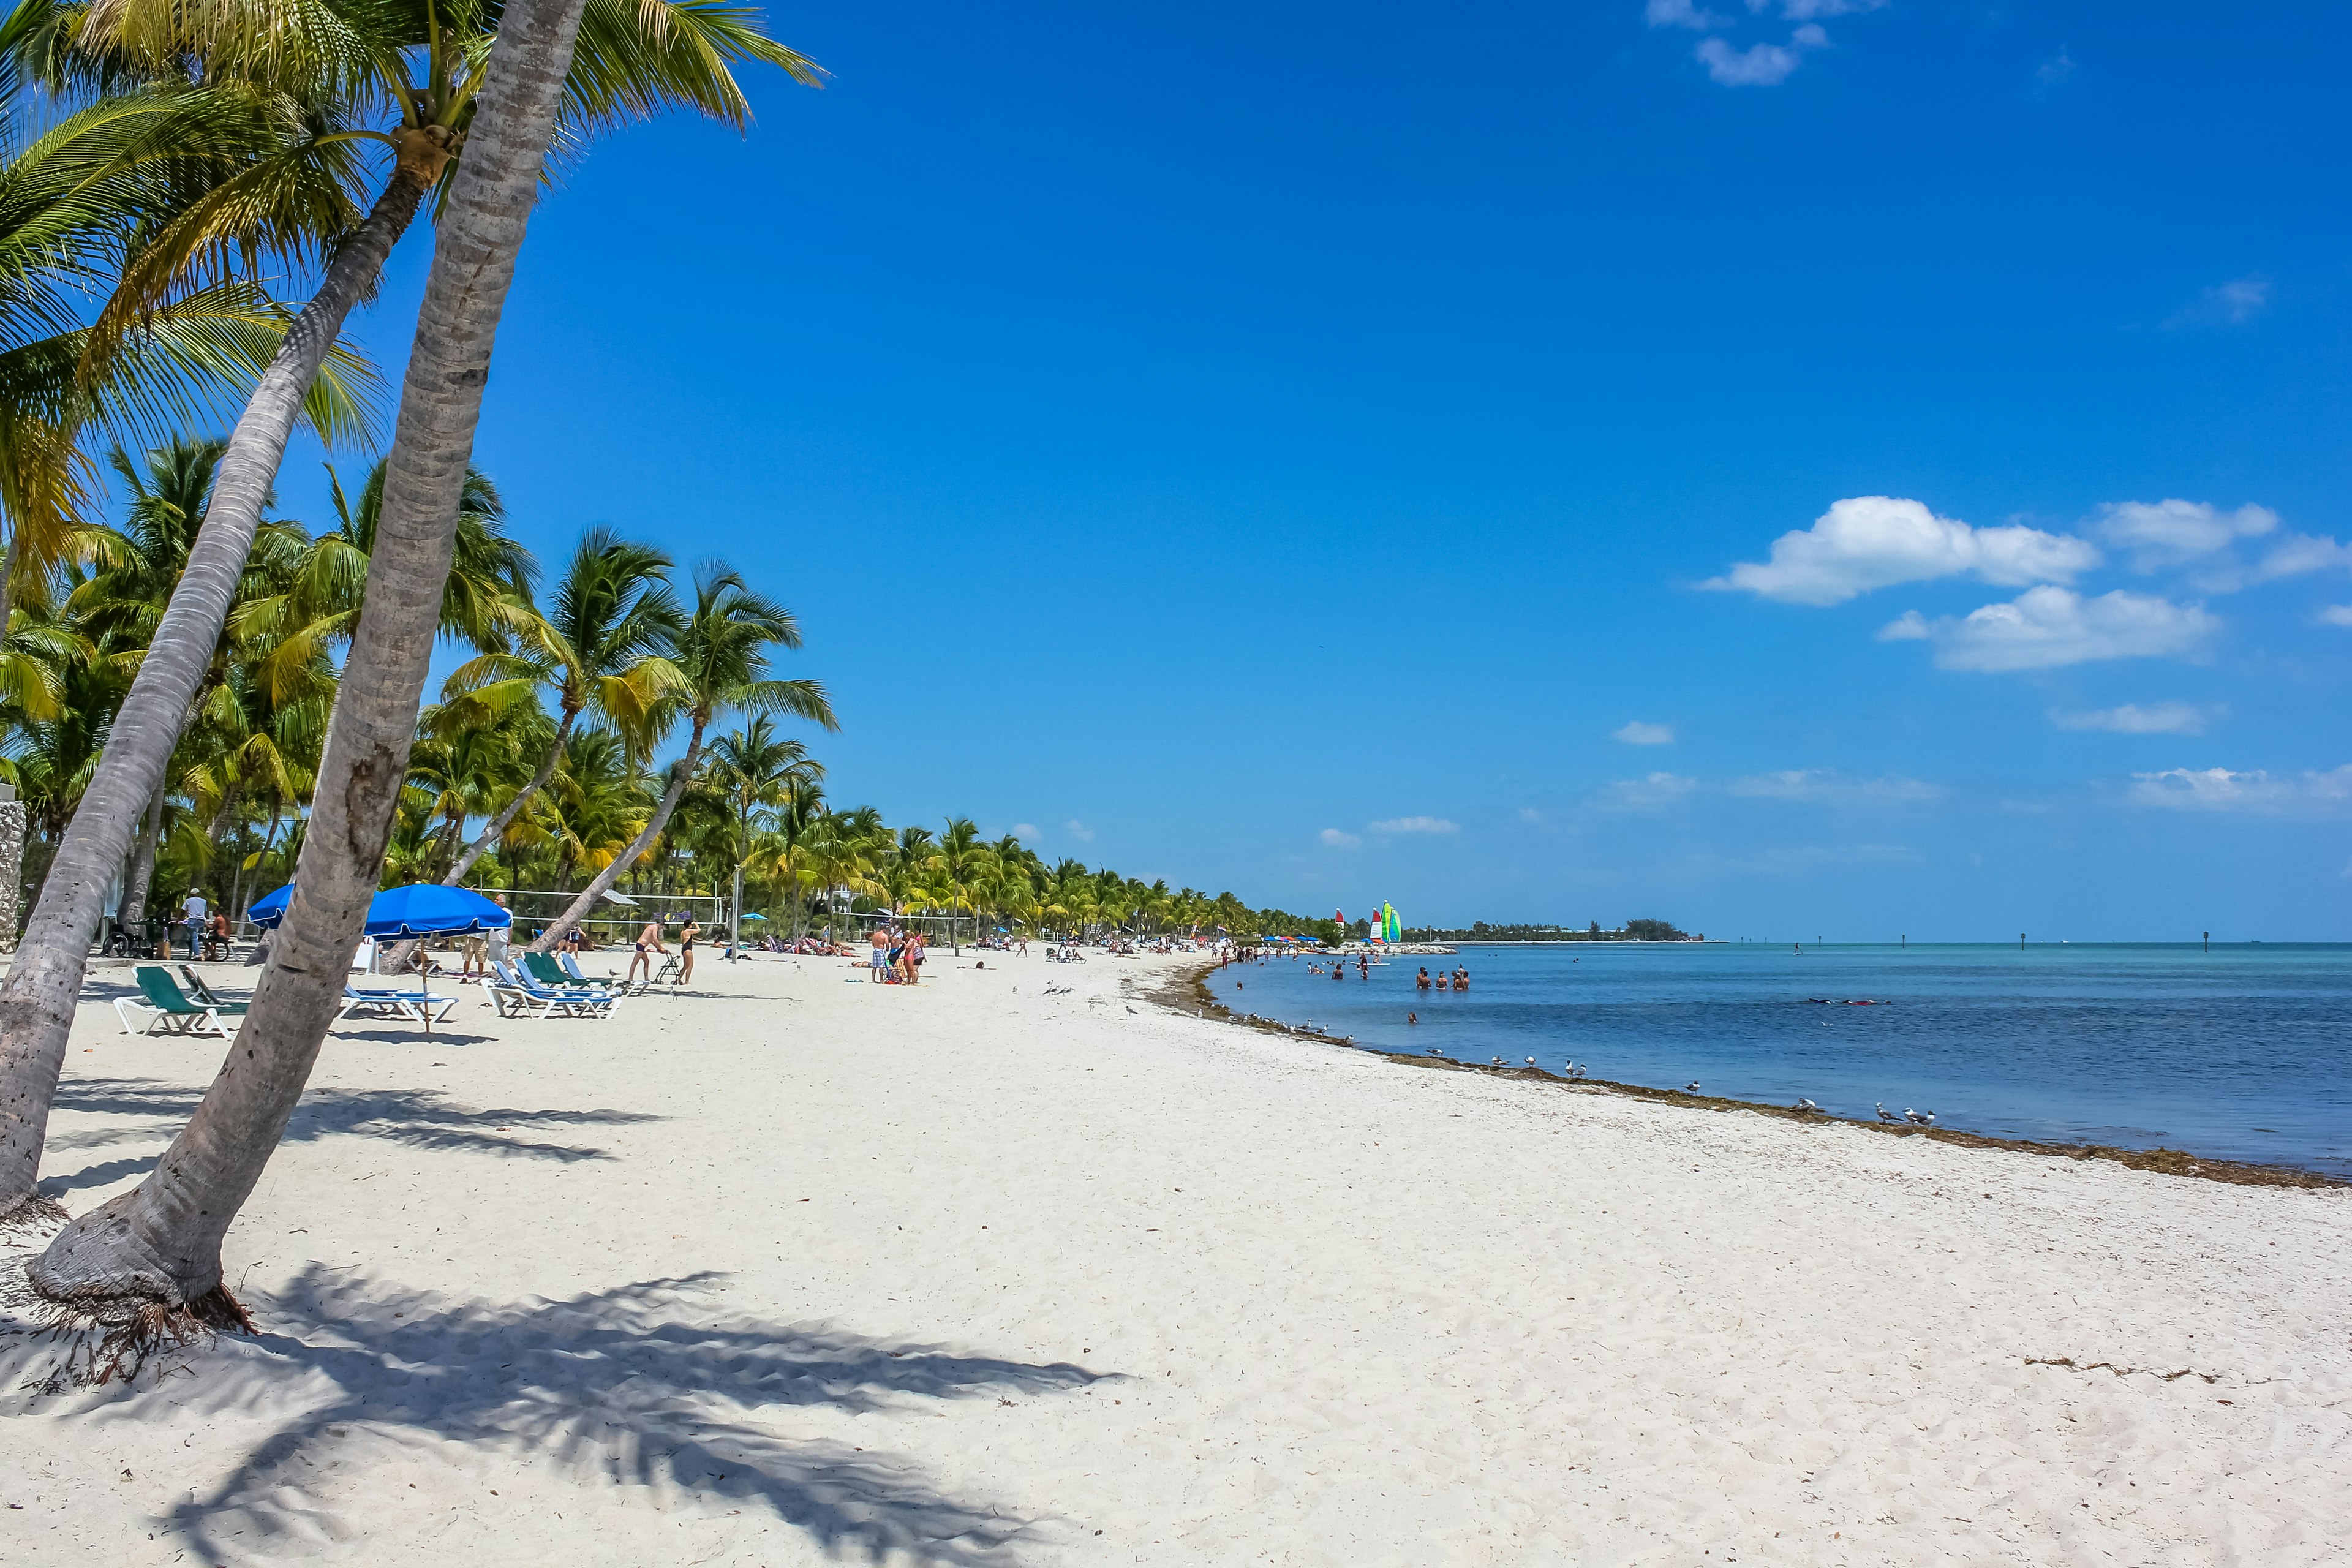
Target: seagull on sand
[1496,1062]
[1576,1070]
[1691,1088]
[1804,1105]
[1919,1118]
[1885,1114]
[1531,1061]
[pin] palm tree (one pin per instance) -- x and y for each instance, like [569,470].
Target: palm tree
[342,61]
[599,642]
[150,1259]
[721,658]
[754,770]
[963,862]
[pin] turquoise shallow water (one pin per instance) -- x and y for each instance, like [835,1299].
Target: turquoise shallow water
[2244,1053]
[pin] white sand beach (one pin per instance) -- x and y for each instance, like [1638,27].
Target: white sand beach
[1020,1267]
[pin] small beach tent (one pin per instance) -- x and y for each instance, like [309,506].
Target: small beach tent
[421,908]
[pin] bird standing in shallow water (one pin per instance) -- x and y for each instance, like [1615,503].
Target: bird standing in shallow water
[1804,1105]
[1919,1118]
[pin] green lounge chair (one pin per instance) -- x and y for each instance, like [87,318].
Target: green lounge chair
[168,1006]
[543,968]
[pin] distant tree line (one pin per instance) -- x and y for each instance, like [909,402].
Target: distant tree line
[1631,930]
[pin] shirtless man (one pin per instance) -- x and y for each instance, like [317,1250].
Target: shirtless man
[1420,981]
[649,942]
[881,954]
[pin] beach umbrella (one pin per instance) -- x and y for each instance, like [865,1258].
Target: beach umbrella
[421,908]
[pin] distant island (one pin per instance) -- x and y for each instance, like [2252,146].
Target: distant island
[1631,930]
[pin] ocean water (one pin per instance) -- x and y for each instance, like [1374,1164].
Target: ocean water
[2242,1053]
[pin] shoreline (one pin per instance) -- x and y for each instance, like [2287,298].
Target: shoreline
[1196,998]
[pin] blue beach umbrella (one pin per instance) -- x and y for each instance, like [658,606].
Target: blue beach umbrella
[421,908]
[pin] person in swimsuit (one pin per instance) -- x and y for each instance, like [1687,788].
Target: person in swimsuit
[914,958]
[1420,981]
[686,948]
[1461,980]
[649,942]
[881,946]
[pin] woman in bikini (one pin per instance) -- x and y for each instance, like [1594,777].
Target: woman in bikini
[686,948]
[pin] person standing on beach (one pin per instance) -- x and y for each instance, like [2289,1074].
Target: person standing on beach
[914,958]
[649,942]
[686,948]
[881,949]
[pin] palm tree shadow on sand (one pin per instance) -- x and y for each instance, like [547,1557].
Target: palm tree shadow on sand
[412,1118]
[633,1387]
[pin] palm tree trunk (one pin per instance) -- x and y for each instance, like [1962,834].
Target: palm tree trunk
[505,819]
[37,1003]
[149,1260]
[679,776]
[133,907]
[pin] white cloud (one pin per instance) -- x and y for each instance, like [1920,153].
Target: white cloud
[1806,10]
[1682,14]
[1339,840]
[2229,304]
[2337,615]
[1529,814]
[2169,532]
[1874,541]
[1758,65]
[2054,69]
[1079,831]
[1829,784]
[2308,793]
[1415,824]
[1633,732]
[1024,830]
[1649,793]
[2131,718]
[2046,626]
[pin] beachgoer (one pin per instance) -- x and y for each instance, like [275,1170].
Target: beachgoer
[216,948]
[881,948]
[686,936]
[915,945]
[1420,981]
[649,941]
[1412,1017]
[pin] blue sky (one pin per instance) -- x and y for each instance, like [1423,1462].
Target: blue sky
[1808,467]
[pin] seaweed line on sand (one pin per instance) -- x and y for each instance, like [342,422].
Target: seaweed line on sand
[1186,991]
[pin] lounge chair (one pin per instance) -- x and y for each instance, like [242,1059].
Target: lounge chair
[205,993]
[167,1005]
[552,973]
[515,995]
[574,977]
[426,1007]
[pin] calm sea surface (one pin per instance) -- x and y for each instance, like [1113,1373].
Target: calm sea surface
[2244,1053]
